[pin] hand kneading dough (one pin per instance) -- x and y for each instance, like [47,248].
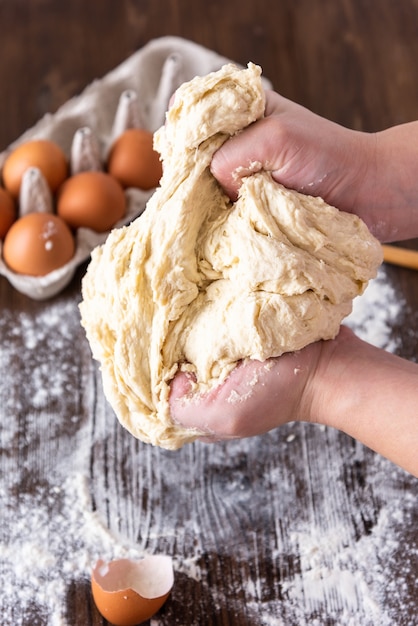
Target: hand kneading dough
[198,283]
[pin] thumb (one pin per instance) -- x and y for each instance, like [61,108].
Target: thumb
[241,155]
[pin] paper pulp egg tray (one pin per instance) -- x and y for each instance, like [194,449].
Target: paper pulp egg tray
[153,74]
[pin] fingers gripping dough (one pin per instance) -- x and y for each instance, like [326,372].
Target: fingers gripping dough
[198,283]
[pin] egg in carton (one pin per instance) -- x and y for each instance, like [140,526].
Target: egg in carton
[135,95]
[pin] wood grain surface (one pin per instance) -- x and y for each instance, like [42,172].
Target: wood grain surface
[300,526]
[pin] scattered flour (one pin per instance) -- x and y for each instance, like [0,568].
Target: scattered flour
[354,576]
[50,533]
[52,537]
[375,312]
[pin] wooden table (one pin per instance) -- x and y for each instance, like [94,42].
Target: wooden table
[300,526]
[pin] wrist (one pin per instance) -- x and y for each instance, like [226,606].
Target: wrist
[369,394]
[391,186]
[331,384]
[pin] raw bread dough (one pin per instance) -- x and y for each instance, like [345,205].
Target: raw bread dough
[198,283]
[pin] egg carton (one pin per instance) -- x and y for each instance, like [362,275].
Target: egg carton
[151,75]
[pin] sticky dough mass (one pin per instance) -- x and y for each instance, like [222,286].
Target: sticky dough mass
[198,283]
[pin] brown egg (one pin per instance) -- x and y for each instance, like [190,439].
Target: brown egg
[133,160]
[7,212]
[130,592]
[92,200]
[37,244]
[46,155]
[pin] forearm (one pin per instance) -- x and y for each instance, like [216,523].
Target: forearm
[388,192]
[371,395]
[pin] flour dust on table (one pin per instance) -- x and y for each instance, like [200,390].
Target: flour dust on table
[74,491]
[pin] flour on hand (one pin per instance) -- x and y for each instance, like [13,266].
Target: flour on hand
[198,283]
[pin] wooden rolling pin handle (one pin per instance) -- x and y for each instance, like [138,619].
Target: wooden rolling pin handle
[400,256]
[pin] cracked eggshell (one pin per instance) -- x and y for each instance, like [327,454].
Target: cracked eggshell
[128,592]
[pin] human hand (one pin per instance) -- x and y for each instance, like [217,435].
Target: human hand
[370,174]
[303,151]
[255,398]
[344,383]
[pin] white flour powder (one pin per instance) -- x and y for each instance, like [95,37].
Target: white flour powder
[375,313]
[50,536]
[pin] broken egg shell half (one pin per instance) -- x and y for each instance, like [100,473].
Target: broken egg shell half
[128,592]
